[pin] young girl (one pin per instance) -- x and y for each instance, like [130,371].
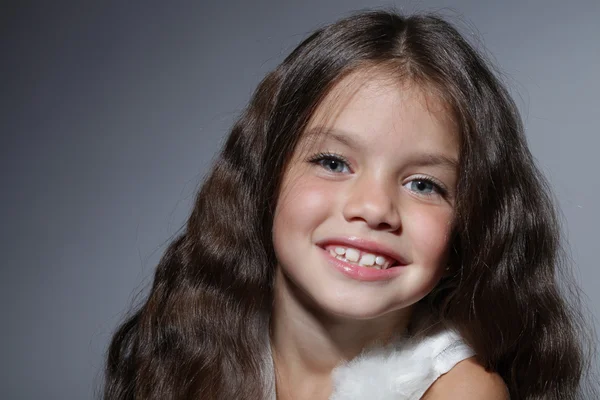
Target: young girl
[374,227]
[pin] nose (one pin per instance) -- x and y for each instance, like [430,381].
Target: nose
[373,201]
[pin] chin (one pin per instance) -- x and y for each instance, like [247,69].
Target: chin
[357,308]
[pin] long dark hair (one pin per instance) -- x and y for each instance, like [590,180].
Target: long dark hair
[203,330]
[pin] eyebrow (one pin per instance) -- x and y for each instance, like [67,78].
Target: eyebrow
[419,160]
[434,160]
[336,135]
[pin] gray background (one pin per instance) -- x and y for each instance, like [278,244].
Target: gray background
[112,112]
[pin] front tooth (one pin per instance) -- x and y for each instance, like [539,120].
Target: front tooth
[380,260]
[352,255]
[367,259]
[340,250]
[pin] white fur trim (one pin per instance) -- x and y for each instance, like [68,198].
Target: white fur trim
[402,371]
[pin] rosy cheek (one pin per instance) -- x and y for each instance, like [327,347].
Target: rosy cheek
[310,195]
[317,196]
[430,230]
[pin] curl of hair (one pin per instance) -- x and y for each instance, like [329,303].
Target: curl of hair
[203,330]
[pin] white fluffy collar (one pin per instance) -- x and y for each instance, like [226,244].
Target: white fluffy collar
[403,370]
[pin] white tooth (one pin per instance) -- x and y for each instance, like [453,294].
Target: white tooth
[352,255]
[380,260]
[332,252]
[340,250]
[377,266]
[340,257]
[367,259]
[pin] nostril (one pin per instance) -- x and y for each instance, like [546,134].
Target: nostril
[384,226]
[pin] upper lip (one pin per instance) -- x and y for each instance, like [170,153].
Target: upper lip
[365,245]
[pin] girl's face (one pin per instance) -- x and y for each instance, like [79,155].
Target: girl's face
[376,187]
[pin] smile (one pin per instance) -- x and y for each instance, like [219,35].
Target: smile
[362,258]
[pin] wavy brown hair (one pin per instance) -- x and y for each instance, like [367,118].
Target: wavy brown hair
[203,330]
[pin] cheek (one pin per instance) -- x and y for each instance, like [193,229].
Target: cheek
[301,200]
[302,206]
[430,232]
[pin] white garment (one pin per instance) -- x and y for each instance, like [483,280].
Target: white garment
[404,370]
[401,371]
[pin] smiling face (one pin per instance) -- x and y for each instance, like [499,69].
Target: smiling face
[371,182]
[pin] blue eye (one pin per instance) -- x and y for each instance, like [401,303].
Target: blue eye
[332,163]
[423,186]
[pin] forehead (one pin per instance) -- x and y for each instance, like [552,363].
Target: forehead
[379,106]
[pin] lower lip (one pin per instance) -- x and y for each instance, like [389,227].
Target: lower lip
[366,274]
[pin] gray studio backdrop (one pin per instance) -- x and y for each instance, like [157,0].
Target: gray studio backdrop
[112,112]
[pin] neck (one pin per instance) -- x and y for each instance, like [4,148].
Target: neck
[308,344]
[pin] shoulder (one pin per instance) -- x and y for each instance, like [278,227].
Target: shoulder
[468,380]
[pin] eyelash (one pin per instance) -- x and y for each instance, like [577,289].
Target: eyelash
[318,158]
[438,187]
